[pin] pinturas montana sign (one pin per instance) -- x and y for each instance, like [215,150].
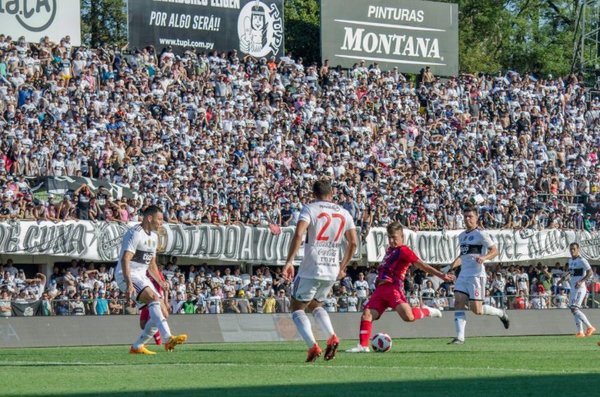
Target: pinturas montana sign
[407,34]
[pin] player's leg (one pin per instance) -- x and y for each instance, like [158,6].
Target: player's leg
[461,299]
[144,318]
[303,293]
[366,325]
[476,291]
[150,297]
[322,318]
[577,297]
[410,314]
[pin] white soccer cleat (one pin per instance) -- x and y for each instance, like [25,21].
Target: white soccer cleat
[359,349]
[434,312]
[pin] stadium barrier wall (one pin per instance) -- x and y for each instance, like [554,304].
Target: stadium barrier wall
[117,330]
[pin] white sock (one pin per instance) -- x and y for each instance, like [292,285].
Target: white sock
[303,326]
[492,311]
[460,322]
[578,324]
[582,317]
[158,320]
[151,336]
[147,333]
[324,322]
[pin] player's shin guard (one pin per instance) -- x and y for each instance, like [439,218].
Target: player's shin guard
[158,320]
[146,335]
[303,326]
[322,319]
[460,322]
[419,313]
[365,332]
[492,311]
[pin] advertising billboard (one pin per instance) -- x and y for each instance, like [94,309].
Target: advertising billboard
[407,34]
[253,27]
[35,19]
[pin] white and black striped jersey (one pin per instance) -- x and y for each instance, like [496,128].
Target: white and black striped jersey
[578,266]
[473,244]
[143,246]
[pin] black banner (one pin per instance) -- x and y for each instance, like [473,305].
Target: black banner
[253,27]
[27,309]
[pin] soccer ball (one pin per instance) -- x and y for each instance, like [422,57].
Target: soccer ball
[381,343]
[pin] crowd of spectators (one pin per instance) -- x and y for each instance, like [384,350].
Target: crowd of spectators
[213,137]
[81,289]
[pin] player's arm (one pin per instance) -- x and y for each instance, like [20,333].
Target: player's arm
[125,259]
[432,270]
[589,273]
[492,253]
[288,270]
[352,239]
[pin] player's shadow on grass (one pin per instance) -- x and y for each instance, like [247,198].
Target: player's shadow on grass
[526,385]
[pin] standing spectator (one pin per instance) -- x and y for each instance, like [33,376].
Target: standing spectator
[100,306]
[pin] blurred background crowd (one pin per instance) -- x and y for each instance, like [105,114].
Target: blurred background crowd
[215,138]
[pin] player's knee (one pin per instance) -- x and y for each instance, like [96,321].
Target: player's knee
[409,318]
[574,309]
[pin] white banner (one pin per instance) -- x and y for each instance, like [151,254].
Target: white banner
[513,245]
[35,19]
[101,241]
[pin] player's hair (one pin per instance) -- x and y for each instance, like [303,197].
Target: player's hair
[151,211]
[394,227]
[574,245]
[469,208]
[322,188]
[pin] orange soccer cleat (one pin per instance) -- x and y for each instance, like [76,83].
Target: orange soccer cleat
[313,353]
[332,345]
[174,341]
[590,331]
[141,350]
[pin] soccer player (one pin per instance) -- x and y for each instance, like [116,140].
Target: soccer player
[476,248]
[138,255]
[580,271]
[389,290]
[325,223]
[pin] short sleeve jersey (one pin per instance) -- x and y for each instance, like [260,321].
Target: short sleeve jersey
[577,268]
[395,263]
[142,245]
[473,243]
[327,225]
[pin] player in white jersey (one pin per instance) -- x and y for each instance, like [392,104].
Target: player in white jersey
[138,255]
[325,224]
[476,248]
[580,271]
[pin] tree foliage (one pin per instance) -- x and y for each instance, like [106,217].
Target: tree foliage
[303,28]
[103,22]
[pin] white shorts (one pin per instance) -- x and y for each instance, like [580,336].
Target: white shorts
[577,296]
[473,287]
[307,289]
[140,282]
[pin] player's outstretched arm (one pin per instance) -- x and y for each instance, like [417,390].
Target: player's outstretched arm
[288,270]
[432,270]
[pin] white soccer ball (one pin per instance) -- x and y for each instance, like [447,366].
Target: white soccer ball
[381,343]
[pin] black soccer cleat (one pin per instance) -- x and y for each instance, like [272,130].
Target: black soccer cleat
[456,341]
[505,320]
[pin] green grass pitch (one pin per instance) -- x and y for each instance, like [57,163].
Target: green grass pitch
[508,366]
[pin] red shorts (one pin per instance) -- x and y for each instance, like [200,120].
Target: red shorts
[386,295]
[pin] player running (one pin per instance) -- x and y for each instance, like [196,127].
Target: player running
[389,290]
[476,247]
[580,271]
[138,255]
[325,223]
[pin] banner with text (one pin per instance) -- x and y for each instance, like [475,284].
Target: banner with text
[409,34]
[253,27]
[101,241]
[35,19]
[513,245]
